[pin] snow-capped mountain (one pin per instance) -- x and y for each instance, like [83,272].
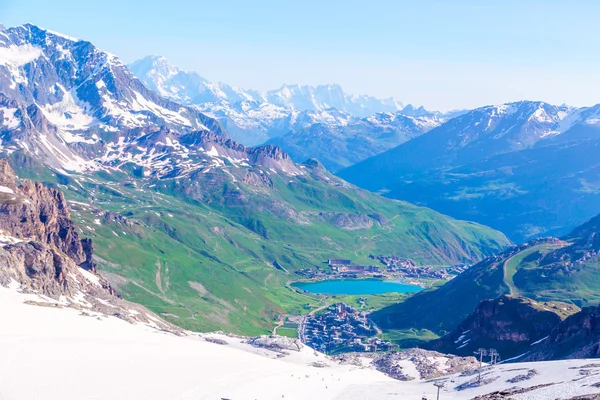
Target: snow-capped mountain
[67,104]
[253,122]
[304,97]
[252,117]
[516,167]
[186,87]
[190,88]
[64,99]
[344,142]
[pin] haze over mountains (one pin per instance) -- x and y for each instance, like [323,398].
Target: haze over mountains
[189,88]
[185,219]
[321,122]
[528,168]
[524,168]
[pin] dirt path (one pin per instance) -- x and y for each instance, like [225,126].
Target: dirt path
[278,324]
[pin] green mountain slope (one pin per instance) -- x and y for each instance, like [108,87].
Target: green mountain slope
[566,270]
[216,250]
[519,168]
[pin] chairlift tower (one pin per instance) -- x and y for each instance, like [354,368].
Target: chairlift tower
[494,355]
[481,353]
[438,385]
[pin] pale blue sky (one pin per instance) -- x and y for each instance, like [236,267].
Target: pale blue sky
[443,54]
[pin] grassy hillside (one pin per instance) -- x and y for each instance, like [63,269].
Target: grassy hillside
[208,252]
[543,270]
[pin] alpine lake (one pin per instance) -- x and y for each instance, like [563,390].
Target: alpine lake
[356,287]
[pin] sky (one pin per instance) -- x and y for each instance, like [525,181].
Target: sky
[444,55]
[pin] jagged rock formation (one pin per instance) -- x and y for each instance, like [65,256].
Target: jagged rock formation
[42,252]
[37,213]
[508,324]
[576,337]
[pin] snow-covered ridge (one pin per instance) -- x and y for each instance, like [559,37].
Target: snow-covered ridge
[190,88]
[90,87]
[520,124]
[61,95]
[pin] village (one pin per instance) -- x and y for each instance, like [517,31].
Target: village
[341,328]
[391,267]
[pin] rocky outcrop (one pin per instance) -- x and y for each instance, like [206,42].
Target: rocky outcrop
[428,364]
[41,251]
[508,324]
[276,343]
[347,221]
[576,337]
[33,212]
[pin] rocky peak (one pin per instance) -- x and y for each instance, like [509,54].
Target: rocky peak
[270,151]
[7,175]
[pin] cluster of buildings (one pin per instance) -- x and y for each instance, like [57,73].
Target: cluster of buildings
[392,267]
[342,269]
[394,263]
[341,328]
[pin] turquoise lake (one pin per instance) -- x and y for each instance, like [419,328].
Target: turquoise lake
[356,286]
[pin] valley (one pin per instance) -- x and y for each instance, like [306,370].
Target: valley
[186,221]
[525,168]
[300,242]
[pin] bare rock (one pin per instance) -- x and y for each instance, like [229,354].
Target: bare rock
[276,343]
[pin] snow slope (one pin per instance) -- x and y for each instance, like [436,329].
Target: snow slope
[51,353]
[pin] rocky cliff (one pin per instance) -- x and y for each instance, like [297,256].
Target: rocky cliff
[508,324]
[576,337]
[42,255]
[31,211]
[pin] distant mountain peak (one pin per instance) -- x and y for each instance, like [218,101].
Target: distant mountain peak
[190,88]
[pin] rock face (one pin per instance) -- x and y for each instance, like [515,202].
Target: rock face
[276,343]
[34,212]
[508,324]
[41,251]
[576,337]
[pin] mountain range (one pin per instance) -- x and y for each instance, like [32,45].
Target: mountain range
[528,168]
[353,140]
[188,87]
[115,183]
[200,228]
[524,168]
[322,122]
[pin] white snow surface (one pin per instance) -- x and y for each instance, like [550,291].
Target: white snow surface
[17,56]
[45,350]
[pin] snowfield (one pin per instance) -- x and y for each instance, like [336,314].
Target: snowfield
[59,353]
